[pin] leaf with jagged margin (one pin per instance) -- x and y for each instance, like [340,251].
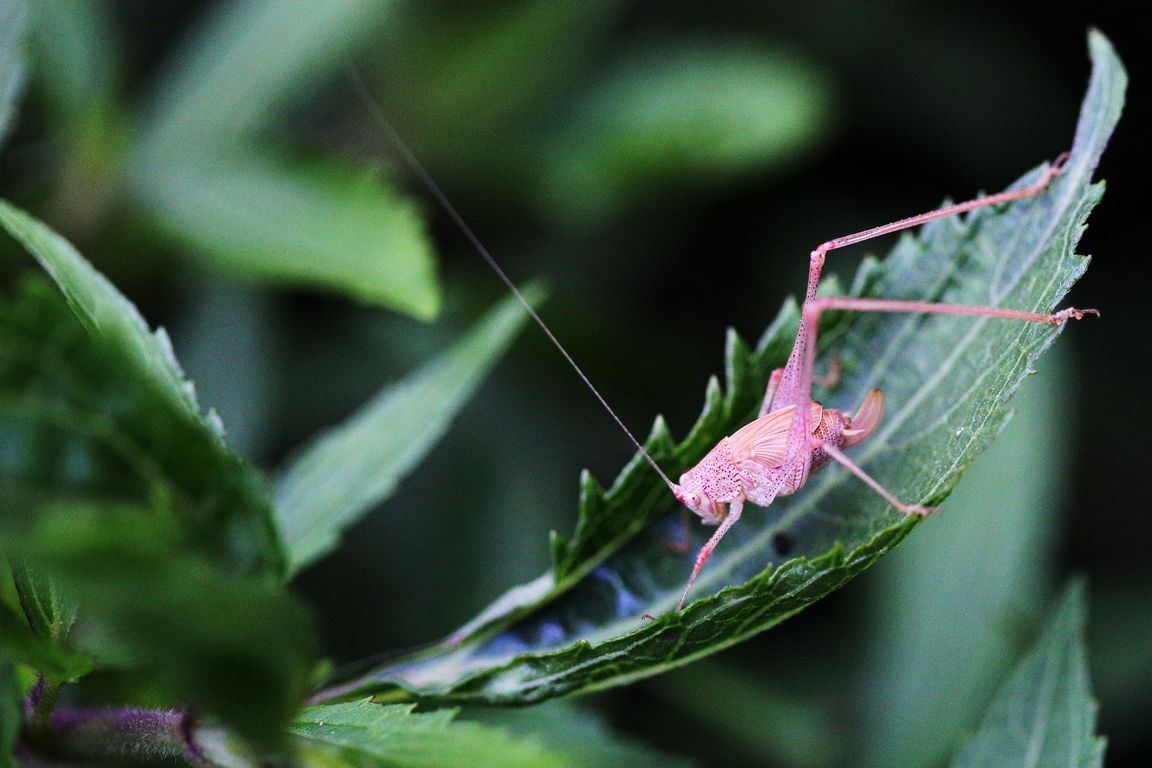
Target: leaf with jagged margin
[200,173]
[948,381]
[13,27]
[371,735]
[108,399]
[679,116]
[351,468]
[1044,716]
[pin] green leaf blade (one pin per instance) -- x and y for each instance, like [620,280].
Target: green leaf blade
[397,737]
[948,381]
[320,225]
[358,464]
[1044,716]
[940,609]
[108,396]
[683,116]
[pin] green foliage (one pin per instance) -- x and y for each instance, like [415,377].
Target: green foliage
[351,468]
[1044,716]
[38,638]
[142,546]
[101,409]
[683,117]
[947,382]
[238,646]
[13,24]
[197,171]
[945,608]
[10,703]
[372,735]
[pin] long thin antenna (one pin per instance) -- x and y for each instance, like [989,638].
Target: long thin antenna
[426,179]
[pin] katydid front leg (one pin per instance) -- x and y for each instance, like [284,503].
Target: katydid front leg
[795,436]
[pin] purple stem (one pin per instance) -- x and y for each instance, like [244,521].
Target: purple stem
[120,733]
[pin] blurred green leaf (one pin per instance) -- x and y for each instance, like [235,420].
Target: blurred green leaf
[947,380]
[755,718]
[945,609]
[245,63]
[239,647]
[683,116]
[198,171]
[353,467]
[396,737]
[19,643]
[104,409]
[475,84]
[321,225]
[575,733]
[77,53]
[1044,715]
[13,26]
[10,704]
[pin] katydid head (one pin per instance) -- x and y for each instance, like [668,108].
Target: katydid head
[866,419]
[693,497]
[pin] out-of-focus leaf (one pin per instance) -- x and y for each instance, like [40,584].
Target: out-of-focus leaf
[101,407]
[945,608]
[755,718]
[458,79]
[19,643]
[681,117]
[355,466]
[77,54]
[9,713]
[1045,715]
[246,61]
[947,381]
[321,225]
[13,27]
[197,172]
[396,737]
[583,739]
[239,647]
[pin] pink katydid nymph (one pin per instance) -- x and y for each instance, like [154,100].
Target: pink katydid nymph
[794,436]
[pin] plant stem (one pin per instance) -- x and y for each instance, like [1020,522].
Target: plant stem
[122,733]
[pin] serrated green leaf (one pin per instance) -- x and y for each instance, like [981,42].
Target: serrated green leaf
[10,703]
[942,611]
[947,381]
[353,467]
[684,116]
[322,225]
[13,26]
[1044,716]
[101,407]
[396,737]
[237,646]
